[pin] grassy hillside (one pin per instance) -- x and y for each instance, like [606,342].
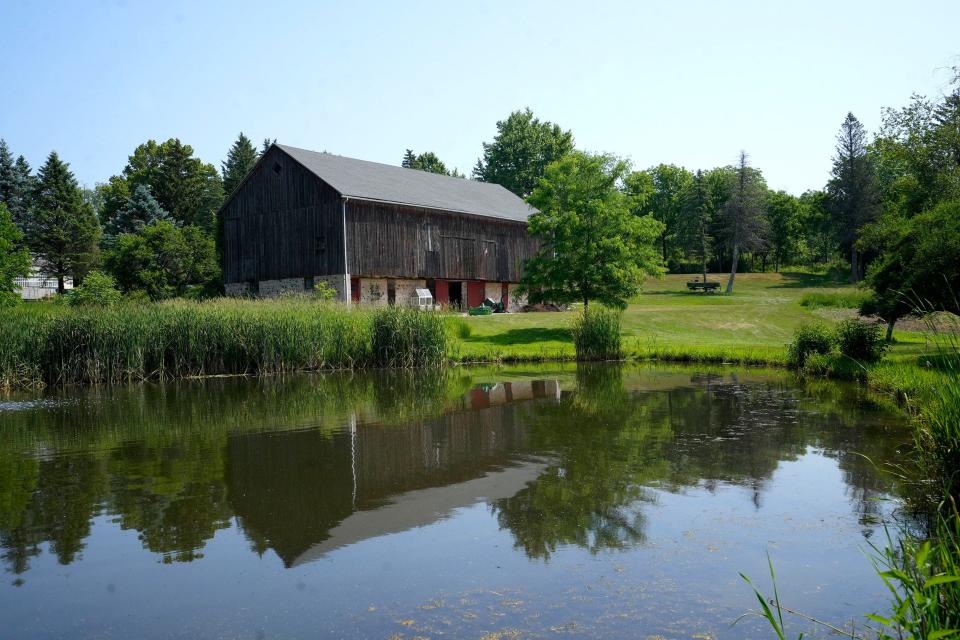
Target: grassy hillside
[751,325]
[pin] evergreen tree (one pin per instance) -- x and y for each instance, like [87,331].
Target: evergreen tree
[140,210]
[24,184]
[189,189]
[267,143]
[852,190]
[62,231]
[240,160]
[744,224]
[6,172]
[409,159]
[521,151]
[14,258]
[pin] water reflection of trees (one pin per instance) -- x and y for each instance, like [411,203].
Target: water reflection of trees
[614,444]
[290,459]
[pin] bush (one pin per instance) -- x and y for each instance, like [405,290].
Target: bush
[861,340]
[596,335]
[808,339]
[324,291]
[98,290]
[405,337]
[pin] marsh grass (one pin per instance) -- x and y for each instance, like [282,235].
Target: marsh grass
[840,299]
[597,335]
[55,344]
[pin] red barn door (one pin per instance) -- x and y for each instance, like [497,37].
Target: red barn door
[475,294]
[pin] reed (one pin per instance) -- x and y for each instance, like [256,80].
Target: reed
[597,335]
[53,344]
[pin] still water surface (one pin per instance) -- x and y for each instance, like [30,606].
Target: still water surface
[525,502]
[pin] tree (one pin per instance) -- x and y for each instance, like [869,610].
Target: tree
[592,245]
[163,260]
[427,161]
[744,225]
[918,264]
[695,218]
[16,183]
[670,183]
[62,231]
[14,258]
[140,210]
[852,189]
[267,143]
[783,214]
[187,188]
[240,160]
[521,151]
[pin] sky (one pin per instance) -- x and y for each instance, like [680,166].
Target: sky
[682,82]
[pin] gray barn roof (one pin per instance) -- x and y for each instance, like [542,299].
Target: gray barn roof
[388,183]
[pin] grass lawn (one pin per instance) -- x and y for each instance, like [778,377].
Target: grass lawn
[666,321]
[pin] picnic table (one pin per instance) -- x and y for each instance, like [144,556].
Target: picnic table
[700,285]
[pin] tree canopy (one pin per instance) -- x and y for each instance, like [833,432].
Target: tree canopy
[240,160]
[14,258]
[520,152]
[593,246]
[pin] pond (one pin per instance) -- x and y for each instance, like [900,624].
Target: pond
[514,502]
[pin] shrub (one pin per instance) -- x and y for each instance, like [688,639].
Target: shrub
[861,340]
[98,290]
[596,335]
[325,291]
[405,337]
[808,339]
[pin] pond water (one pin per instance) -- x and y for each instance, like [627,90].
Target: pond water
[525,502]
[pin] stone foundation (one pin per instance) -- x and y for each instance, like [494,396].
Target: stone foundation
[406,294]
[273,288]
[515,301]
[493,290]
[341,284]
[237,288]
[374,291]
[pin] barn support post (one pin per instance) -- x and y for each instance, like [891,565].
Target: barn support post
[347,296]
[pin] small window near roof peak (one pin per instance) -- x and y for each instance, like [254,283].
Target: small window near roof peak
[277,168]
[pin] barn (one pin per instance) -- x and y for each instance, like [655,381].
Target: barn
[375,232]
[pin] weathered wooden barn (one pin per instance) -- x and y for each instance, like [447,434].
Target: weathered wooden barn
[375,232]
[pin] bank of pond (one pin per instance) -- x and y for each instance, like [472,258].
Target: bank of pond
[604,500]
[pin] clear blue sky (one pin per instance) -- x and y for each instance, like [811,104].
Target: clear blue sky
[689,83]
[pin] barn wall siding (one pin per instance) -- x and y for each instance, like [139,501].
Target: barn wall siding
[410,242]
[284,222]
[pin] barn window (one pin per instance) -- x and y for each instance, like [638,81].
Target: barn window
[277,168]
[321,245]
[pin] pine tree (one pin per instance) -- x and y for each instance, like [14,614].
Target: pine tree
[140,210]
[409,159]
[240,160]
[62,231]
[6,172]
[267,143]
[24,184]
[852,189]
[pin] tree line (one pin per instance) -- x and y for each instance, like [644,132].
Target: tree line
[154,228]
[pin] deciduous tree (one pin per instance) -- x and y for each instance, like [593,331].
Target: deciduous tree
[14,258]
[521,151]
[593,246]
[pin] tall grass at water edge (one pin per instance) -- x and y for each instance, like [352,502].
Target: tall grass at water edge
[597,335]
[68,345]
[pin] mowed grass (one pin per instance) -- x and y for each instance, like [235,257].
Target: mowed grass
[751,325]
